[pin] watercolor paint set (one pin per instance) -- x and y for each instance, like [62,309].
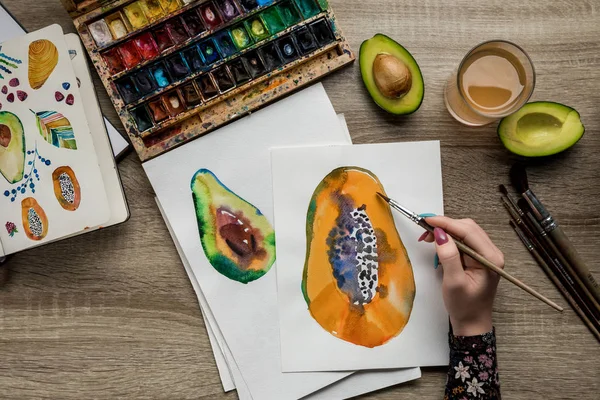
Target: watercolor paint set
[178,69]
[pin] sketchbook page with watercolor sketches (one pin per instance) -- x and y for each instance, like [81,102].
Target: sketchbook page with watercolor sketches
[11,29]
[51,184]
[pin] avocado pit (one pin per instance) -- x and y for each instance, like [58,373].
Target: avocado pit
[392,76]
[238,234]
[5,135]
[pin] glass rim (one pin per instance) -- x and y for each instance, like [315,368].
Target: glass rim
[525,98]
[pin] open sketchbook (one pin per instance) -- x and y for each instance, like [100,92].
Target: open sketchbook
[10,28]
[58,176]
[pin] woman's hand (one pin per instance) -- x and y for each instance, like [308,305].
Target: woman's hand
[469,288]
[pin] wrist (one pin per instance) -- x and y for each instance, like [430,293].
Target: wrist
[474,327]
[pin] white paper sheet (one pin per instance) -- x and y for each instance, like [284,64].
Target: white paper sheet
[239,155]
[356,384]
[410,172]
[11,29]
[217,342]
[363,382]
[44,157]
[215,337]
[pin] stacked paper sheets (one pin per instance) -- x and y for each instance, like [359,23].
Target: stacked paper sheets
[243,318]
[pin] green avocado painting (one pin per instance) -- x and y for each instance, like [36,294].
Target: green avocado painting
[237,238]
[12,147]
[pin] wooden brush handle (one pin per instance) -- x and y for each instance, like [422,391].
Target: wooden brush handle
[570,253]
[586,317]
[476,256]
[564,268]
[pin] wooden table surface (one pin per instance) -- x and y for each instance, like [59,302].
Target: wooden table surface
[112,314]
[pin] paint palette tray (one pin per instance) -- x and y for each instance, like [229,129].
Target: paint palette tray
[178,69]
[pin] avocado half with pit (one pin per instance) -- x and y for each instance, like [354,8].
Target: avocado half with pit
[541,129]
[391,75]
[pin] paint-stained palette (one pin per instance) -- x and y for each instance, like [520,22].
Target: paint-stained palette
[178,69]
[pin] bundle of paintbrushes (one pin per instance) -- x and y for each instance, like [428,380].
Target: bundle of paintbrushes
[553,251]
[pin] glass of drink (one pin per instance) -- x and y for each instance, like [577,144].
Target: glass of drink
[494,80]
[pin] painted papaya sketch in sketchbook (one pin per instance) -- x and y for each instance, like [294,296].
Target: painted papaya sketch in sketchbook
[358,280]
[237,238]
[35,221]
[66,188]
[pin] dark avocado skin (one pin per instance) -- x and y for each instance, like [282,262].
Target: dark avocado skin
[371,88]
[501,128]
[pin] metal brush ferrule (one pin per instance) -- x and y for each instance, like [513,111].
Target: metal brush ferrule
[549,224]
[524,238]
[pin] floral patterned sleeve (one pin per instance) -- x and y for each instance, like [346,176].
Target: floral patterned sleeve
[473,371]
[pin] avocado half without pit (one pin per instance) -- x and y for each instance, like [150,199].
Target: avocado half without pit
[391,75]
[541,129]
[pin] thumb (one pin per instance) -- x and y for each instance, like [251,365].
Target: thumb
[448,255]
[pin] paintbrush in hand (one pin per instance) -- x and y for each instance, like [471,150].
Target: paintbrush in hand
[519,179]
[470,252]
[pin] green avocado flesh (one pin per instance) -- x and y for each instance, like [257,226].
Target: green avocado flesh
[12,147]
[237,238]
[541,129]
[381,44]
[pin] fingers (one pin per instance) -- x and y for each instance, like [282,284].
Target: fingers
[471,234]
[449,256]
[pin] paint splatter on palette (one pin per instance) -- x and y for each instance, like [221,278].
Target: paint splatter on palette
[178,69]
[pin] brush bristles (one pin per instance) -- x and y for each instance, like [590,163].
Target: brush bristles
[518,178]
[383,197]
[503,190]
[523,205]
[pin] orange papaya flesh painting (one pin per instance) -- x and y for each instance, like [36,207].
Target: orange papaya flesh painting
[358,281]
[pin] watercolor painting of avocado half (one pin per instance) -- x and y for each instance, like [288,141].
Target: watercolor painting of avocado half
[237,238]
[357,290]
[51,185]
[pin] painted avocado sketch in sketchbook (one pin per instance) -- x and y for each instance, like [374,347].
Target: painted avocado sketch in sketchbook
[237,238]
[358,280]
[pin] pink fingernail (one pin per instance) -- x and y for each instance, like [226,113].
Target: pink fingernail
[440,236]
[423,236]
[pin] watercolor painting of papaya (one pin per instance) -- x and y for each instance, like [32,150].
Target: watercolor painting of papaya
[358,281]
[237,238]
[66,188]
[43,58]
[35,221]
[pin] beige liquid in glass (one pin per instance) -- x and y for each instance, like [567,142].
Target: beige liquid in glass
[491,83]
